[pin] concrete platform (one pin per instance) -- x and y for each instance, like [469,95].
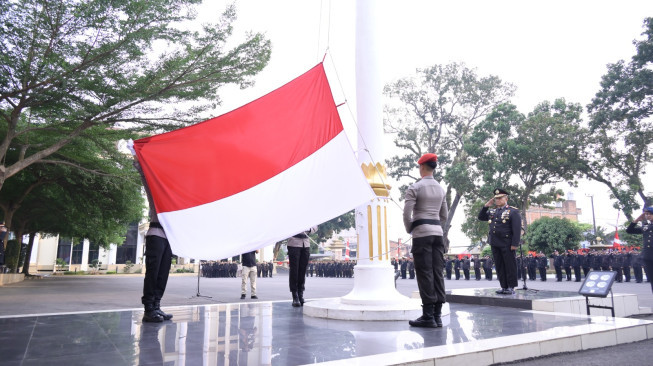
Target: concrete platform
[546,300]
[275,333]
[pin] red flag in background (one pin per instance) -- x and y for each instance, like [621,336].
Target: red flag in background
[347,251]
[616,244]
[256,175]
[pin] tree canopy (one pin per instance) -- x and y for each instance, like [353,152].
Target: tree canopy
[72,66]
[432,113]
[621,129]
[549,234]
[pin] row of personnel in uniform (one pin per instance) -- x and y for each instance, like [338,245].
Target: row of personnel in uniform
[578,264]
[218,269]
[337,269]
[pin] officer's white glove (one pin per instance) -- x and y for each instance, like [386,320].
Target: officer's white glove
[130,146]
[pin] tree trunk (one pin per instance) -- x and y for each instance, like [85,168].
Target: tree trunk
[19,238]
[28,253]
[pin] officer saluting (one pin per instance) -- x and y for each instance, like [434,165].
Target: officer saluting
[504,236]
[647,232]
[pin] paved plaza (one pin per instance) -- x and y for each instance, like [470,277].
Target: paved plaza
[90,320]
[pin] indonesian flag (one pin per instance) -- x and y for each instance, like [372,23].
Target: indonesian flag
[347,251]
[256,175]
[617,242]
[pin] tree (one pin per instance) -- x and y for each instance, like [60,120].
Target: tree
[525,154]
[621,127]
[433,113]
[72,66]
[549,234]
[73,202]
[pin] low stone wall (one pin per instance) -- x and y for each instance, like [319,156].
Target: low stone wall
[7,278]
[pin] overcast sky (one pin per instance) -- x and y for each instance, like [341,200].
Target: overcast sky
[548,49]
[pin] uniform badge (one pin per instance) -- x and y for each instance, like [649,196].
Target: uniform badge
[496,191]
[504,221]
[645,227]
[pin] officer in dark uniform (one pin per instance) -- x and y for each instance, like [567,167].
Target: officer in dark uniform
[576,262]
[448,267]
[466,266]
[542,265]
[488,263]
[646,218]
[504,236]
[557,265]
[456,267]
[477,268]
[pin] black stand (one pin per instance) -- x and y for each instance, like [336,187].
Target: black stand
[524,273]
[587,302]
[199,271]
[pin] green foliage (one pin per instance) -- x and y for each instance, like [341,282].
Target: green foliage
[12,252]
[549,234]
[486,251]
[128,267]
[75,69]
[432,113]
[281,256]
[523,154]
[472,227]
[619,149]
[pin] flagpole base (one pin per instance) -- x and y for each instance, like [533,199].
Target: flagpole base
[373,297]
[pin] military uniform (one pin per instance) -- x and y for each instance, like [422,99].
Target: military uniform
[646,255]
[505,232]
[425,212]
[299,253]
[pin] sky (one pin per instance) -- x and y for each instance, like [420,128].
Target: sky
[547,49]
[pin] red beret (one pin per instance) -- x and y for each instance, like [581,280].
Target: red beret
[427,157]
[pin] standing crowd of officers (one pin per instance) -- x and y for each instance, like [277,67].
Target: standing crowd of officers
[215,269]
[337,269]
[482,267]
[572,266]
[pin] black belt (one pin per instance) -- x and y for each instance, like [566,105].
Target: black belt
[300,236]
[423,222]
[156,224]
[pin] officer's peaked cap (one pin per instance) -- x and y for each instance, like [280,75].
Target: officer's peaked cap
[498,193]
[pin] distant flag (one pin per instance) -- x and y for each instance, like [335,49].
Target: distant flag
[399,248]
[347,251]
[256,175]
[616,244]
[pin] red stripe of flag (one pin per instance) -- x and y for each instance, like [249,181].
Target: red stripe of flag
[231,153]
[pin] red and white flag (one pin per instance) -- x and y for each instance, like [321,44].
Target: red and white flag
[616,244]
[256,175]
[347,251]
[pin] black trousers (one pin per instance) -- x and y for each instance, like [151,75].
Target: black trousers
[158,258]
[298,261]
[542,273]
[648,267]
[428,255]
[558,273]
[506,265]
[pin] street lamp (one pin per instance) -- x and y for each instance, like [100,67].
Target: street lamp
[591,196]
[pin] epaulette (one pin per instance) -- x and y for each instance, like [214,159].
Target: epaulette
[513,207]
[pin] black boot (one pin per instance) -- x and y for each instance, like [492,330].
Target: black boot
[300,297]
[295,300]
[157,307]
[437,314]
[151,315]
[426,320]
